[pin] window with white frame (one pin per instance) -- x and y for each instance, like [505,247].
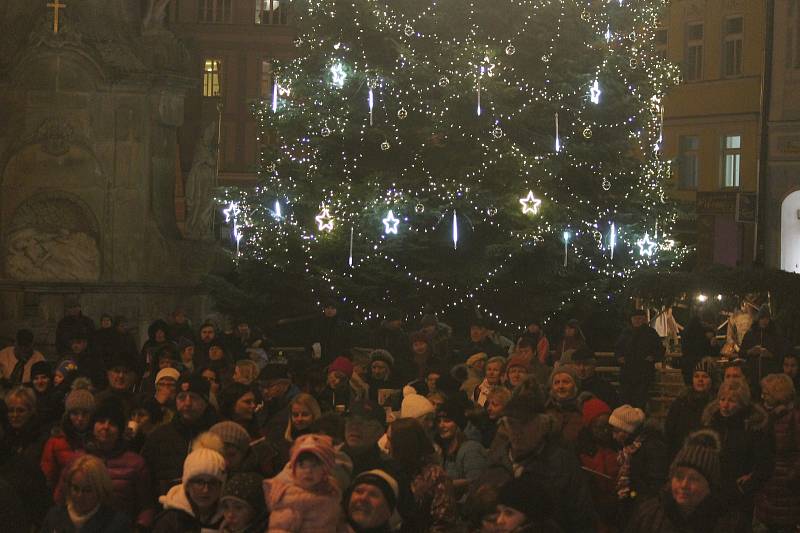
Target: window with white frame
[732,46]
[693,64]
[215,11]
[272,12]
[689,162]
[211,84]
[731,160]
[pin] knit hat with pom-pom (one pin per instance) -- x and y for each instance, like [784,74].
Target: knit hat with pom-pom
[701,452]
[204,462]
[416,406]
[627,418]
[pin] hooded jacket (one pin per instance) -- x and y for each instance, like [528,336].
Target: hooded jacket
[178,515]
[747,449]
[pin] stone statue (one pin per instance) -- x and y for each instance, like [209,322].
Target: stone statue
[199,185]
[153,20]
[58,254]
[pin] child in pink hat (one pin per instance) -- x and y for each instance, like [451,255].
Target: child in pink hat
[305,497]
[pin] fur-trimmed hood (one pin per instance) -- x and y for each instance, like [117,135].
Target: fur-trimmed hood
[755,417]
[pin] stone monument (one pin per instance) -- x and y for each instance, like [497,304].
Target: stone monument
[91,98]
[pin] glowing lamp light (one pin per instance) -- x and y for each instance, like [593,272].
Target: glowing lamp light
[702,298]
[324,220]
[530,204]
[390,224]
[275,97]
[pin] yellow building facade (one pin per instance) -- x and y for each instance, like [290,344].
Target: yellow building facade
[712,120]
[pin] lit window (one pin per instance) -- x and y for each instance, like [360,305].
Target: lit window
[731,160]
[689,164]
[215,11]
[732,46]
[272,12]
[211,70]
[693,67]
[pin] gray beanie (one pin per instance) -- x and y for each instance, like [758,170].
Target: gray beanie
[231,433]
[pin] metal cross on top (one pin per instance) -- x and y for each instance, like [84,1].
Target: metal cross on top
[57,6]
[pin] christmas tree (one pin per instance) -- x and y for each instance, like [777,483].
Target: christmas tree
[498,152]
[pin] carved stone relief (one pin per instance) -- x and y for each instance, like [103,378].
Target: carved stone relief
[52,238]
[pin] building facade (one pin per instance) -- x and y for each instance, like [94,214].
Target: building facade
[781,217]
[712,120]
[232,44]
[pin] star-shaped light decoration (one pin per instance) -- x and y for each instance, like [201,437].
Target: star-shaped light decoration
[324,220]
[339,75]
[530,204]
[390,223]
[646,246]
[595,92]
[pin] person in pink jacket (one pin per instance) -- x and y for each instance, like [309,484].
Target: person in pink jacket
[68,440]
[305,497]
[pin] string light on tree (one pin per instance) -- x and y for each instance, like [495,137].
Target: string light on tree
[324,148]
[646,246]
[324,219]
[595,92]
[338,75]
[530,204]
[612,239]
[390,223]
[455,230]
[232,216]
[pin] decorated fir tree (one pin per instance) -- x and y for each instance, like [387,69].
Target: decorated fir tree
[500,152]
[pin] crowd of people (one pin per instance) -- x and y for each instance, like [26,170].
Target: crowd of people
[205,429]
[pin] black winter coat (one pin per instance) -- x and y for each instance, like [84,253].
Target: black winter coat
[601,389]
[640,347]
[747,449]
[556,468]
[106,520]
[774,342]
[649,465]
[684,416]
[661,515]
[167,447]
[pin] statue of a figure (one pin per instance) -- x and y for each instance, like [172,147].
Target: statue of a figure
[199,185]
[153,20]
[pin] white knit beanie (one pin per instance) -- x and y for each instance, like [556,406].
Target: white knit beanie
[416,406]
[626,418]
[204,462]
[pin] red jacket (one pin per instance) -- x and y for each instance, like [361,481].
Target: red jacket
[130,479]
[59,451]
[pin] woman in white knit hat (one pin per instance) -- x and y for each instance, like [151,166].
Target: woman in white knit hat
[193,506]
[643,458]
